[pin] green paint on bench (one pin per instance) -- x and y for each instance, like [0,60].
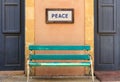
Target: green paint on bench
[59,47]
[59,64]
[32,57]
[59,57]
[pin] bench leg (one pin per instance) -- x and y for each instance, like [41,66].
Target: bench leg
[92,73]
[92,70]
[28,71]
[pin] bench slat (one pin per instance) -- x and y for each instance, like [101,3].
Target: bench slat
[59,57]
[59,64]
[59,47]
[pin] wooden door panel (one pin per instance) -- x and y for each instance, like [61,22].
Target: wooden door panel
[11,16]
[106,35]
[12,34]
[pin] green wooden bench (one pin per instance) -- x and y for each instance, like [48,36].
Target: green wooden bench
[32,57]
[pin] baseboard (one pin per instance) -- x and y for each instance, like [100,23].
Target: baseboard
[12,72]
[88,77]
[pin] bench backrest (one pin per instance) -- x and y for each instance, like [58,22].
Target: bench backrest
[59,47]
[59,56]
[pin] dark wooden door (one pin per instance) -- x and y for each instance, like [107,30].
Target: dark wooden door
[107,34]
[11,34]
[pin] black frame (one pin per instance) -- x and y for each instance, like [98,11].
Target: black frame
[59,9]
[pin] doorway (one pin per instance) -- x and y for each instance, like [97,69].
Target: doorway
[107,34]
[11,35]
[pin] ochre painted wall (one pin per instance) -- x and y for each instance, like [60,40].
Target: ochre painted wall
[59,34]
[89,25]
[29,26]
[38,32]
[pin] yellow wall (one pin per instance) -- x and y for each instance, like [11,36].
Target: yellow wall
[31,25]
[60,34]
[89,24]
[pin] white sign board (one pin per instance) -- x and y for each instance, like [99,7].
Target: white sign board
[59,16]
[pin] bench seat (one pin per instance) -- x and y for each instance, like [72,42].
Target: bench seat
[59,64]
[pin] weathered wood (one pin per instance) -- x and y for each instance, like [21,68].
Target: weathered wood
[59,47]
[60,57]
[86,57]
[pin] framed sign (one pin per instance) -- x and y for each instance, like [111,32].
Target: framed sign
[59,16]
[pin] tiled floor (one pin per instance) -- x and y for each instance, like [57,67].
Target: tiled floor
[108,76]
[23,79]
